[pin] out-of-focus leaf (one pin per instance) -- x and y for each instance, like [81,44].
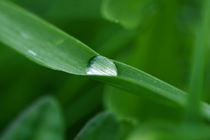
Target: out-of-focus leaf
[42,121]
[63,9]
[198,64]
[72,9]
[18,77]
[168,131]
[111,45]
[84,105]
[128,106]
[129,13]
[102,127]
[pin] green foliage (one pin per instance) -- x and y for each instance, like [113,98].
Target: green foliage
[42,121]
[129,13]
[102,127]
[167,39]
[43,41]
[168,131]
[198,64]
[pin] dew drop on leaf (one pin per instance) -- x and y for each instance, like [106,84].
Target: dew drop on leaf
[100,65]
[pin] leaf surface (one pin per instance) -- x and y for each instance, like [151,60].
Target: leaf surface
[41,121]
[128,13]
[102,127]
[50,47]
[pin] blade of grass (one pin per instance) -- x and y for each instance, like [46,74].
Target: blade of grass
[62,10]
[43,120]
[42,42]
[50,47]
[128,13]
[102,127]
[163,130]
[198,64]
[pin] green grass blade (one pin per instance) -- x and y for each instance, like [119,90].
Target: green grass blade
[42,42]
[47,45]
[134,80]
[128,13]
[102,127]
[198,64]
[63,10]
[41,121]
[162,130]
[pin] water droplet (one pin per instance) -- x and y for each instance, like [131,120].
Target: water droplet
[100,65]
[32,52]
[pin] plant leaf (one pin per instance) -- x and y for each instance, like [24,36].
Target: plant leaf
[42,42]
[198,65]
[159,130]
[137,108]
[63,9]
[41,121]
[47,45]
[102,127]
[128,13]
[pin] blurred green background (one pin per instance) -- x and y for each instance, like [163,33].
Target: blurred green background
[160,44]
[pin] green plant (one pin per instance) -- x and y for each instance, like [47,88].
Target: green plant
[145,34]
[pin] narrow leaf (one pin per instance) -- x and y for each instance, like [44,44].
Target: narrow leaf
[198,64]
[41,121]
[42,42]
[128,13]
[47,45]
[102,127]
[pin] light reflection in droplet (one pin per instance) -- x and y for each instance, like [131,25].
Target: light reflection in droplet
[100,65]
